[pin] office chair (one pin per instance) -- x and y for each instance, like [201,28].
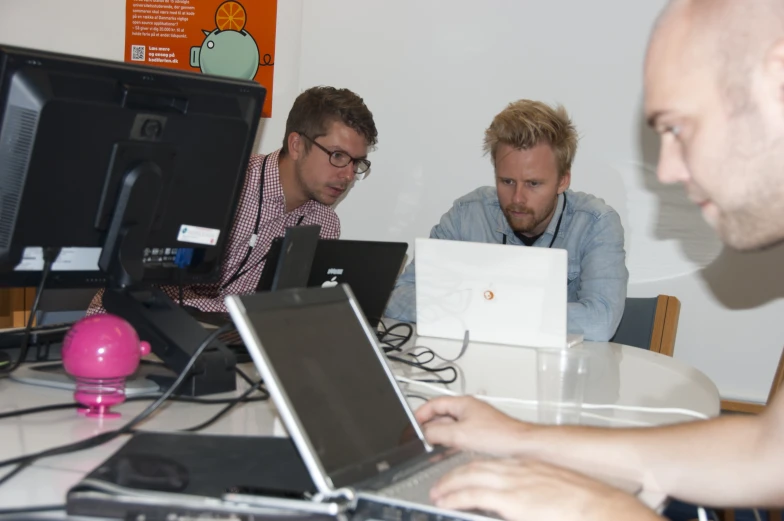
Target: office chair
[649,323]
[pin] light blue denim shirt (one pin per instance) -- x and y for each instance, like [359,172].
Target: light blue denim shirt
[590,231]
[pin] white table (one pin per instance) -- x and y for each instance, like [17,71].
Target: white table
[619,375]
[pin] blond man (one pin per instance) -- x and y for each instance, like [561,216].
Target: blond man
[532,147]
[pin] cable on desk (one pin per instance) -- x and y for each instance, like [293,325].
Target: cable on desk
[584,406]
[31,510]
[257,386]
[391,341]
[23,462]
[463,349]
[245,377]
[434,370]
[50,256]
[146,397]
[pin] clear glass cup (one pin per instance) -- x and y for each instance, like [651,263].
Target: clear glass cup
[561,376]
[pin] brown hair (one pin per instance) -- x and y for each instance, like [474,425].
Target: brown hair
[524,124]
[318,107]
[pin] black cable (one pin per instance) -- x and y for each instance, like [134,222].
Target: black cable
[245,376]
[391,341]
[433,370]
[36,410]
[50,256]
[255,387]
[31,510]
[418,397]
[146,397]
[99,439]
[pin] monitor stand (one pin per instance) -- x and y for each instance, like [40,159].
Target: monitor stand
[173,334]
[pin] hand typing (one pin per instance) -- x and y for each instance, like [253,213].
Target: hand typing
[519,490]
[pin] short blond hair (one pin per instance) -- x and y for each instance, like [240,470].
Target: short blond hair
[523,124]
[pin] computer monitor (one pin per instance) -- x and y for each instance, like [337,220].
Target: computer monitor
[136,168]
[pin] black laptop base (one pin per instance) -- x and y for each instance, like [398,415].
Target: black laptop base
[192,469]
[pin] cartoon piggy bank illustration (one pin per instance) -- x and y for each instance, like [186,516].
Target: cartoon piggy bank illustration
[229,50]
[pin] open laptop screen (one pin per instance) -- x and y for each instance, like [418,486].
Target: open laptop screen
[326,364]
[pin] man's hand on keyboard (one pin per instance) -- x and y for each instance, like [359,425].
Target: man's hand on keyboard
[470,424]
[520,490]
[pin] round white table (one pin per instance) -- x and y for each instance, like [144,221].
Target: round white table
[618,374]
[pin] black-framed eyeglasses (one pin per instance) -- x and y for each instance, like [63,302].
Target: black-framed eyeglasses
[340,159]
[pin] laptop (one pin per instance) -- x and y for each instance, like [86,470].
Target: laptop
[497,293]
[341,405]
[298,243]
[369,267]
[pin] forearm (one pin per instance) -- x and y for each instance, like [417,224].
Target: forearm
[594,321]
[724,462]
[402,303]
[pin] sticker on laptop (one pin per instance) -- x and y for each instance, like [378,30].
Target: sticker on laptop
[198,235]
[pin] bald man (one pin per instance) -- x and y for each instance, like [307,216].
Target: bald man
[714,91]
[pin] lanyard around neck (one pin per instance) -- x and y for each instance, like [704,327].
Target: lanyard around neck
[557,225]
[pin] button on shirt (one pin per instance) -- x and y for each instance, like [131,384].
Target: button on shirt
[590,231]
[273,223]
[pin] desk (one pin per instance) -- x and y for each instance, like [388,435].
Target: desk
[621,375]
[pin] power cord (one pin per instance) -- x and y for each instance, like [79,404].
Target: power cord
[50,256]
[25,461]
[147,397]
[31,510]
[392,342]
[240,399]
[518,401]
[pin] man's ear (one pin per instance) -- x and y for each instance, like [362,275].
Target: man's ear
[564,182]
[296,146]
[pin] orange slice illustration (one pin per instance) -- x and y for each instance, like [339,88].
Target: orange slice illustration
[230,16]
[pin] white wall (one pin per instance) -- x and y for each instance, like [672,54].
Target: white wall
[434,72]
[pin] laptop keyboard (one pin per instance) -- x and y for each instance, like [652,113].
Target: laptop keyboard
[416,488]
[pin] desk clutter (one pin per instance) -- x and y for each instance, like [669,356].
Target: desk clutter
[156,475]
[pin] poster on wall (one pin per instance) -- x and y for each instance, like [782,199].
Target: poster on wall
[221,37]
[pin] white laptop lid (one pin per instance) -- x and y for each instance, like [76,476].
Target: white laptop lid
[330,382]
[499,293]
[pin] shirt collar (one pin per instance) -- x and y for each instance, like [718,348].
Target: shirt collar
[273,190]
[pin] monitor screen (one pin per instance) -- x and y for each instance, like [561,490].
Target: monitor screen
[71,128]
[135,169]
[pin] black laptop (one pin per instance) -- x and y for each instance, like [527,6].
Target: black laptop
[301,259]
[370,268]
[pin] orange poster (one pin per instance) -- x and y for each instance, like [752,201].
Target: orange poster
[226,38]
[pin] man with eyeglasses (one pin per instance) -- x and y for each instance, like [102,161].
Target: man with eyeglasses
[531,147]
[328,134]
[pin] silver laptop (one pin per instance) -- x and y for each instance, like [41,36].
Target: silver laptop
[341,404]
[498,293]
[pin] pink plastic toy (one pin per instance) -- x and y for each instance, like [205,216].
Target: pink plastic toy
[100,352]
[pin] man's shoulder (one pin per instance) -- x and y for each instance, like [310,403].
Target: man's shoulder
[484,195]
[255,161]
[588,203]
[324,216]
